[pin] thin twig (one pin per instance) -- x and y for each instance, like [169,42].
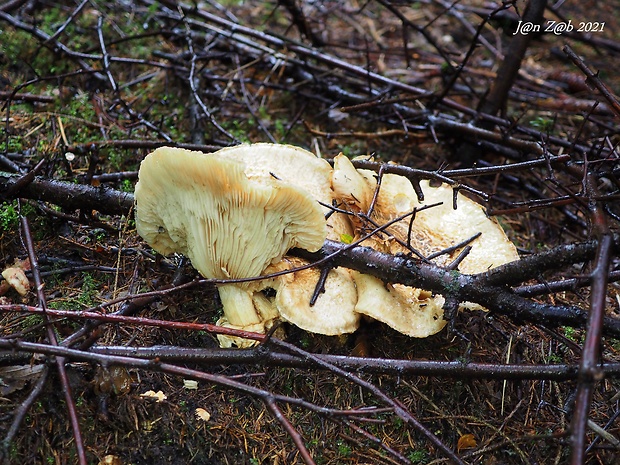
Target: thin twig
[51,335]
[593,79]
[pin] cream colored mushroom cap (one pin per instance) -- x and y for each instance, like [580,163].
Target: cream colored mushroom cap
[296,166]
[441,226]
[332,314]
[205,207]
[408,310]
[447,226]
[288,163]
[16,278]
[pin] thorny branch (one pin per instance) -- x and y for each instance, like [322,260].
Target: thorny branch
[589,370]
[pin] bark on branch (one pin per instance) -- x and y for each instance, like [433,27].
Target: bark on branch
[488,289]
[68,195]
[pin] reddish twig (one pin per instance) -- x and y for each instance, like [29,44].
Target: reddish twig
[51,335]
[290,429]
[133,320]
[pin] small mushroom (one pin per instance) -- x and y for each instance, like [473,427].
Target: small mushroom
[16,278]
[230,225]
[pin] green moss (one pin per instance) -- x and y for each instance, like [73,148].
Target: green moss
[570,333]
[87,297]
[542,124]
[23,53]
[127,186]
[419,457]
[344,449]
[31,320]
[15,144]
[240,129]
[453,284]
[9,217]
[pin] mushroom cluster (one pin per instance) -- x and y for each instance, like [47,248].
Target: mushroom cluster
[236,212]
[449,221]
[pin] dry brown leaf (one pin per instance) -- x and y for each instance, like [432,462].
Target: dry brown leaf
[467,441]
[13,378]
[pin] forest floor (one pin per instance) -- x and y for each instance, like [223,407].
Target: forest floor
[88,89]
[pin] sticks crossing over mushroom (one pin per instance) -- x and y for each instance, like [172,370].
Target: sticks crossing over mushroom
[236,212]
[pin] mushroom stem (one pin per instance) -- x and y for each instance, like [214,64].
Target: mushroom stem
[238,306]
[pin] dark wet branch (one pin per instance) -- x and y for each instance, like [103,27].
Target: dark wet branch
[488,289]
[589,370]
[509,69]
[210,356]
[497,298]
[594,80]
[455,369]
[68,195]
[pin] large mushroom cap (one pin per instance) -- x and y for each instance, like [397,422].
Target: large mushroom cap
[205,207]
[443,226]
[230,226]
[409,310]
[293,165]
[448,226]
[333,312]
[433,229]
